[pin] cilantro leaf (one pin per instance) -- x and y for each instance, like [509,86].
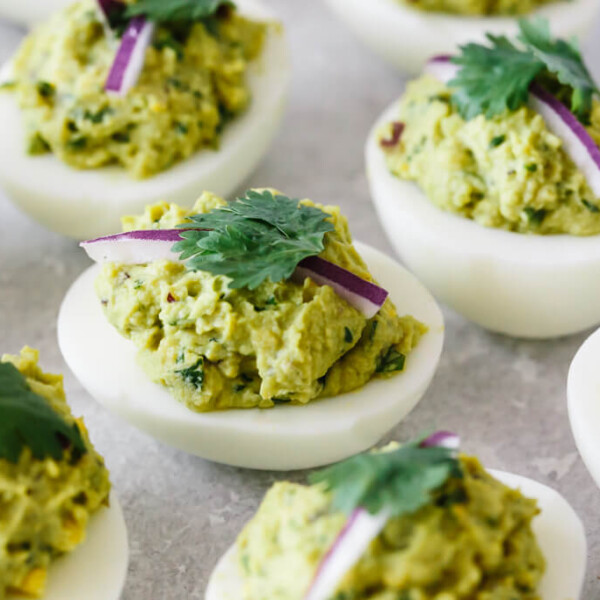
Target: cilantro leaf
[401,481]
[493,78]
[27,419]
[169,11]
[496,77]
[257,237]
[564,60]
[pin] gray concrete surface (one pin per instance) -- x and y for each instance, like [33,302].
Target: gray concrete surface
[506,397]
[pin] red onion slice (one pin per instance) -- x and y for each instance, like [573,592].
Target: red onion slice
[129,61]
[441,68]
[443,439]
[141,247]
[134,247]
[365,296]
[352,542]
[578,143]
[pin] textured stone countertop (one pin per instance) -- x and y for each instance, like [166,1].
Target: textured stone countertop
[506,397]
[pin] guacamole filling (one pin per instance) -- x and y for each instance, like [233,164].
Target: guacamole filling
[473,541]
[216,348]
[45,503]
[508,171]
[193,82]
[477,7]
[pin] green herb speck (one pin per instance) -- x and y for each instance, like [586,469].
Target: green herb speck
[193,375]
[497,141]
[391,361]
[77,143]
[45,89]
[534,216]
[591,207]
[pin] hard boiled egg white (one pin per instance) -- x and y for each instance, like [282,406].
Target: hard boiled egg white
[523,285]
[583,391]
[280,438]
[89,203]
[28,12]
[95,570]
[407,37]
[558,529]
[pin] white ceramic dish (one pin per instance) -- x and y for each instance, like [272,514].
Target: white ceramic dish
[281,438]
[558,529]
[583,392]
[89,203]
[95,570]
[407,37]
[522,285]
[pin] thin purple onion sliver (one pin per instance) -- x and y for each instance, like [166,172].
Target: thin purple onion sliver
[442,439]
[578,143]
[130,57]
[365,296]
[134,247]
[352,542]
[441,68]
[142,247]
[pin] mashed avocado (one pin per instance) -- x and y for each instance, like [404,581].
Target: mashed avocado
[217,348]
[473,543]
[477,7]
[45,504]
[193,82]
[507,172]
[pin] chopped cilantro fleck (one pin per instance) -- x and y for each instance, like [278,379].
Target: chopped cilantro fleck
[534,216]
[194,375]
[497,141]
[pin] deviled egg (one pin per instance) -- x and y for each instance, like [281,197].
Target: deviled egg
[583,391]
[29,12]
[410,521]
[63,533]
[491,194]
[107,126]
[408,32]
[275,349]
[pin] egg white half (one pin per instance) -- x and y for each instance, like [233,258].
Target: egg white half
[531,286]
[29,12]
[84,204]
[583,391]
[558,529]
[407,37]
[279,438]
[95,570]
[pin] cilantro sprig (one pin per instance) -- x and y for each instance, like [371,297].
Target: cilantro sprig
[497,77]
[257,237]
[27,420]
[171,11]
[401,481]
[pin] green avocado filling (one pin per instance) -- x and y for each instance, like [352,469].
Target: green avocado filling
[477,149]
[194,81]
[217,347]
[470,540]
[51,478]
[477,7]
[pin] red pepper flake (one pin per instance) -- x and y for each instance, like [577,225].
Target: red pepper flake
[397,129]
[170,298]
